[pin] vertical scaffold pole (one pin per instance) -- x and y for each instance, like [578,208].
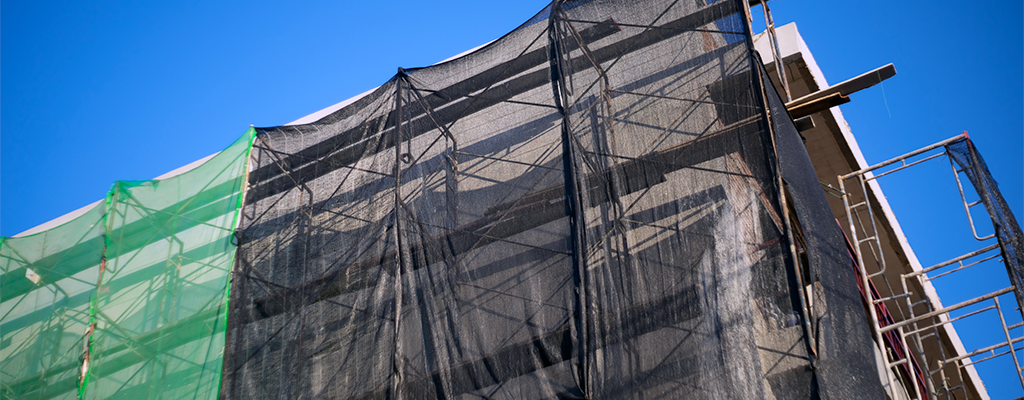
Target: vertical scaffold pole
[573,206]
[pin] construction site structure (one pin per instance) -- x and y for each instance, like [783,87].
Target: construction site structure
[615,200]
[907,309]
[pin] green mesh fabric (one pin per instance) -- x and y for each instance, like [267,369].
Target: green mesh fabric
[148,270]
[43,323]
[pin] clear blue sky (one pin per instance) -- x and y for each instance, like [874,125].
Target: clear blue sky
[92,92]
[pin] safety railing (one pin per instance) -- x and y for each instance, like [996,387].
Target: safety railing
[922,325]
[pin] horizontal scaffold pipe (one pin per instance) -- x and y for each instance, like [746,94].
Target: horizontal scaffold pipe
[365,140]
[135,350]
[136,276]
[434,100]
[508,219]
[194,211]
[262,227]
[897,159]
[556,346]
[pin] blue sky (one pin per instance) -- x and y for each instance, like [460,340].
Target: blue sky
[92,92]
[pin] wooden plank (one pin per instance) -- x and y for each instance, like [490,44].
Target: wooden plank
[845,88]
[803,124]
[821,104]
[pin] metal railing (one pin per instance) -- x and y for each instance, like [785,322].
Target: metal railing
[925,329]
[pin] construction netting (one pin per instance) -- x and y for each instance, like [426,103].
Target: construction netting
[129,299]
[45,294]
[1007,231]
[592,206]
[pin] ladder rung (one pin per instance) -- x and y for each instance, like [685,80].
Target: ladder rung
[891,298]
[867,239]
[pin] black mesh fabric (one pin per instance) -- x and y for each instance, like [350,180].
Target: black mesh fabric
[842,337]
[587,207]
[1011,240]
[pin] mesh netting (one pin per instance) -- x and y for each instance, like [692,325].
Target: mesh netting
[842,339]
[129,299]
[1011,240]
[587,207]
[47,284]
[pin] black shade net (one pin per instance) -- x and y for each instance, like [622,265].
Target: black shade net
[842,339]
[1011,240]
[588,207]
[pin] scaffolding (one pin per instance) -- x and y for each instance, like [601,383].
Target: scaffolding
[127,300]
[603,203]
[611,201]
[915,353]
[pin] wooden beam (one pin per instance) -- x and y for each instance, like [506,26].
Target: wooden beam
[803,124]
[837,94]
[821,104]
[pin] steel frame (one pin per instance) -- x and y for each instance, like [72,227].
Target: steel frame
[918,328]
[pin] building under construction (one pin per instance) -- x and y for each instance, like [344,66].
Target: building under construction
[618,199]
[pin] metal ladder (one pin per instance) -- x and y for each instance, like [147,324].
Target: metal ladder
[920,328]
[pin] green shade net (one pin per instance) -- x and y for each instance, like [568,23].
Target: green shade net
[161,252]
[44,322]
